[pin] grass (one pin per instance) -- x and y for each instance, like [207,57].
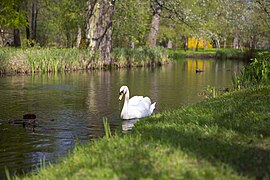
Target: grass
[107,128]
[213,53]
[139,57]
[257,73]
[201,53]
[227,137]
[33,60]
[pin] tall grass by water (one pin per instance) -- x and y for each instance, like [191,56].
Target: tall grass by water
[255,74]
[139,57]
[31,60]
[222,138]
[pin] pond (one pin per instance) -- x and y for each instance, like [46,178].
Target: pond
[70,106]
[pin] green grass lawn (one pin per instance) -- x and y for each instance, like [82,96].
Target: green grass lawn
[221,138]
[215,53]
[201,53]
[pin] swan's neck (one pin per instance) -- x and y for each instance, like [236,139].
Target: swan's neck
[124,113]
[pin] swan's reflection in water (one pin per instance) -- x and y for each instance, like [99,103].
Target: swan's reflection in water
[127,125]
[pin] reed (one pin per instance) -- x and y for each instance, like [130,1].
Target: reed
[257,73]
[139,57]
[33,60]
[42,164]
[107,128]
[7,173]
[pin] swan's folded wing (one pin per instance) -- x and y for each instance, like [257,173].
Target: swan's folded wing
[138,111]
[135,100]
[140,107]
[139,99]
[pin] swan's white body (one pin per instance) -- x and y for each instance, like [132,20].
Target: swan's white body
[135,107]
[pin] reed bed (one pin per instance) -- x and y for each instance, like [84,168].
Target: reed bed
[256,73]
[139,57]
[32,60]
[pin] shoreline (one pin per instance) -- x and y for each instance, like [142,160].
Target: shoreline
[197,141]
[43,60]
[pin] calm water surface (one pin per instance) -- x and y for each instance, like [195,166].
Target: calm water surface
[69,107]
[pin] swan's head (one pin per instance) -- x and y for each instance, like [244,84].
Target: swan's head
[122,92]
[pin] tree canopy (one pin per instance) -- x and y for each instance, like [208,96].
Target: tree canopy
[226,23]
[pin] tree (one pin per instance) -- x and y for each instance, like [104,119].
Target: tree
[156,6]
[131,23]
[99,16]
[12,16]
[34,16]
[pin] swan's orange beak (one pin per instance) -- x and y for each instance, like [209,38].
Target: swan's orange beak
[120,96]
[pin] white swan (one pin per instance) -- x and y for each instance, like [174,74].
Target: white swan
[135,107]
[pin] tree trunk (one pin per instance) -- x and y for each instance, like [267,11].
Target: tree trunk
[34,20]
[17,38]
[2,37]
[68,40]
[169,44]
[197,44]
[218,43]
[27,32]
[185,39]
[253,41]
[99,14]
[235,42]
[79,37]
[157,8]
[27,27]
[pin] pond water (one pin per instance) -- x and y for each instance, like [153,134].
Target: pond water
[70,106]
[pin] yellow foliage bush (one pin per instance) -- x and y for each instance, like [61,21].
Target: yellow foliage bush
[202,43]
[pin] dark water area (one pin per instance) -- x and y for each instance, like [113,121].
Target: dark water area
[70,106]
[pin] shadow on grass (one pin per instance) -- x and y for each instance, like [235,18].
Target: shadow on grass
[247,161]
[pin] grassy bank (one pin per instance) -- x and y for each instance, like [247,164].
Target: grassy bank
[221,138]
[32,60]
[213,53]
